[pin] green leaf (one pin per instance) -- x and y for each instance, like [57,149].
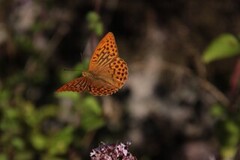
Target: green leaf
[71,96]
[29,114]
[99,28]
[94,23]
[38,141]
[59,143]
[4,97]
[11,113]
[90,104]
[224,46]
[217,110]
[3,156]
[92,17]
[228,152]
[91,114]
[233,131]
[47,111]
[18,143]
[23,155]
[92,123]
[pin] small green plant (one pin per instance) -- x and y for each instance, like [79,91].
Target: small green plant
[227,128]
[224,46]
[94,23]
[47,131]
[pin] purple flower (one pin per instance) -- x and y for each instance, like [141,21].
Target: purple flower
[112,152]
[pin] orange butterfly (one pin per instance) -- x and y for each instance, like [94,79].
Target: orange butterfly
[106,74]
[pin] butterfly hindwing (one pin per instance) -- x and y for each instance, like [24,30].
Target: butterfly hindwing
[76,85]
[101,88]
[120,71]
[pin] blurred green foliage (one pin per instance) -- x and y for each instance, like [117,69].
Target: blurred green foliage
[47,130]
[94,23]
[224,46]
[227,129]
[227,125]
[27,130]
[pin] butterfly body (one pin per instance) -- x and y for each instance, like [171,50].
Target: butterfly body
[94,77]
[106,74]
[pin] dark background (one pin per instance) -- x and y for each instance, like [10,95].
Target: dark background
[174,106]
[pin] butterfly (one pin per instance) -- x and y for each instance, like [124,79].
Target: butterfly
[106,73]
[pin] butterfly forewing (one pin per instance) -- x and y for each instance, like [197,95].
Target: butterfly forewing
[104,53]
[76,85]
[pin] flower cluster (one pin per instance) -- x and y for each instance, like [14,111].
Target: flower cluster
[112,152]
